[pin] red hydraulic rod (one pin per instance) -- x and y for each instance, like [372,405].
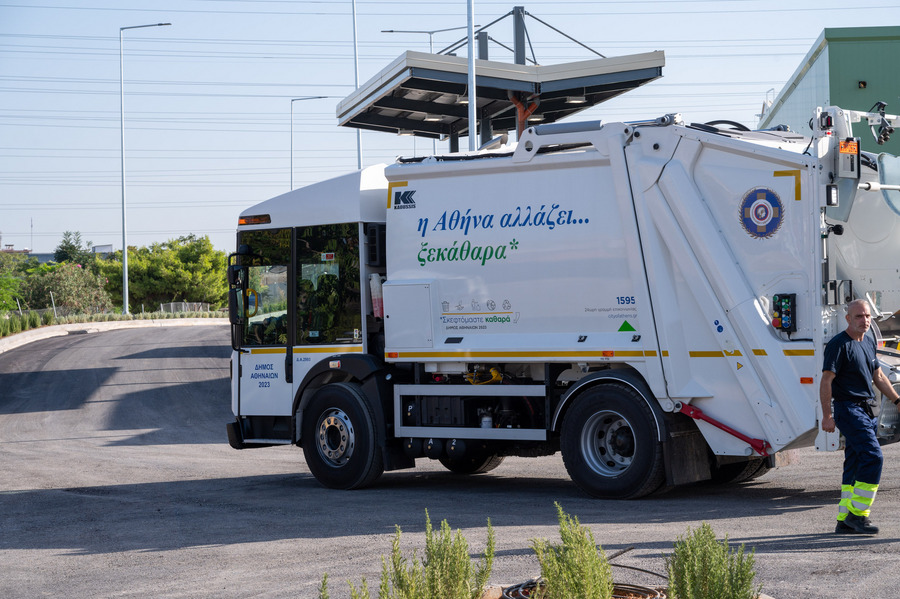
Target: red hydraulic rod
[760,446]
[522,112]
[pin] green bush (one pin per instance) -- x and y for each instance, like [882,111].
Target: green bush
[73,287]
[447,571]
[575,568]
[703,568]
[11,323]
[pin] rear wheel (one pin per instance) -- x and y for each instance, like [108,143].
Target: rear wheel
[477,462]
[338,437]
[741,471]
[610,444]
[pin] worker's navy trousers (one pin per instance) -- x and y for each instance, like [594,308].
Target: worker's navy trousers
[862,454]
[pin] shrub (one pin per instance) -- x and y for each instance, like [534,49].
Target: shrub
[47,318]
[575,568]
[447,571]
[15,324]
[73,287]
[703,568]
[4,326]
[34,320]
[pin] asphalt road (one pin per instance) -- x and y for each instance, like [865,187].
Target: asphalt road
[116,480]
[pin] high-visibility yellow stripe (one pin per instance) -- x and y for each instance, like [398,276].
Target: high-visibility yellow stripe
[584,354]
[716,354]
[795,173]
[517,354]
[318,349]
[844,505]
[799,352]
[331,349]
[869,488]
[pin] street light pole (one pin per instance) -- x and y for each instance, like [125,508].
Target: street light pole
[355,87]
[122,147]
[292,130]
[473,93]
[430,50]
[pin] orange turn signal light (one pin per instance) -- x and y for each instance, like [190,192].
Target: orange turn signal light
[255,219]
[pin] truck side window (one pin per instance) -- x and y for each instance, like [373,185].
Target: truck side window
[328,292]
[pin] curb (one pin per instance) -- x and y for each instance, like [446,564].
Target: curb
[81,328]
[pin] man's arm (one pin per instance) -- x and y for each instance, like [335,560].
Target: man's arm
[825,400]
[884,385]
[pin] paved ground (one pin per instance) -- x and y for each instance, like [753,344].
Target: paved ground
[116,481]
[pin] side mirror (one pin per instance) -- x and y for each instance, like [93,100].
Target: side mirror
[236,275]
[236,308]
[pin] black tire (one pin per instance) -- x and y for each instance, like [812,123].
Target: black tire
[610,445]
[338,437]
[477,463]
[740,472]
[763,468]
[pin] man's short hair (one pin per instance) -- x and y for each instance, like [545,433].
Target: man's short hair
[851,303]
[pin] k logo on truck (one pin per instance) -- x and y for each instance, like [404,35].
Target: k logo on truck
[401,199]
[404,199]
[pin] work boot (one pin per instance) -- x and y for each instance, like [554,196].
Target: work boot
[843,529]
[860,525]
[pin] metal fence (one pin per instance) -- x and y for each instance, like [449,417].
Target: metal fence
[184,307]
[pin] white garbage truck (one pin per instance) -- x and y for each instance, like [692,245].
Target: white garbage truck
[651,299]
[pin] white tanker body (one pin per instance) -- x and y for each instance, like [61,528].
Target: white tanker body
[652,299]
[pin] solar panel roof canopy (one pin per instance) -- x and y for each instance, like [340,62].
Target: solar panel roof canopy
[425,94]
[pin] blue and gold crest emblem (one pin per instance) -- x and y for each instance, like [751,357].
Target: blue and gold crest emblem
[761,212]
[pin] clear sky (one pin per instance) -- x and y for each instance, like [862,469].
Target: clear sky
[208,99]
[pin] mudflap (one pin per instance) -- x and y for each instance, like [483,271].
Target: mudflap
[235,439]
[685,452]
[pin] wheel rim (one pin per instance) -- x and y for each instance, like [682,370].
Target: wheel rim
[607,443]
[335,437]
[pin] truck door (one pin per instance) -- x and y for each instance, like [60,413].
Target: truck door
[328,298]
[264,383]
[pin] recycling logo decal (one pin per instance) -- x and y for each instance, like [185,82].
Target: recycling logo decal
[761,212]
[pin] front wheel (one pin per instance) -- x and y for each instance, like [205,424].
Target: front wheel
[610,445]
[338,437]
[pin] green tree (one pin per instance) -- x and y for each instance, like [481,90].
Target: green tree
[73,249]
[74,287]
[13,269]
[183,269]
[9,290]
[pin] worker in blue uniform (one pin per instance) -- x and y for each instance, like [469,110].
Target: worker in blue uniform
[849,372]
